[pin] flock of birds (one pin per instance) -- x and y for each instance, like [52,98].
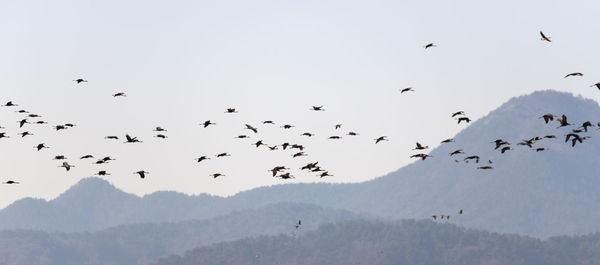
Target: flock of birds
[283,172]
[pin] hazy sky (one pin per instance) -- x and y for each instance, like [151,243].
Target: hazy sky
[183,62]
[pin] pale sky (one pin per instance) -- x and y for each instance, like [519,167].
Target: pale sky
[183,62]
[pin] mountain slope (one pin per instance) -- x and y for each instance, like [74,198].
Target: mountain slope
[407,242]
[144,243]
[552,192]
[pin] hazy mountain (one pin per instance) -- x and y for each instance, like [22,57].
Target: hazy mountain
[145,243]
[407,242]
[552,192]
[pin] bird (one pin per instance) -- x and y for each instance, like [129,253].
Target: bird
[102,173]
[576,138]
[268,122]
[41,122]
[159,129]
[10,104]
[3,135]
[130,139]
[285,145]
[472,157]
[544,37]
[310,166]
[258,143]
[66,166]
[504,149]
[162,136]
[499,143]
[287,126]
[318,108]
[243,136]
[299,154]
[231,110]
[142,173]
[406,90]
[434,217]
[420,147]
[381,138]
[466,119]
[34,116]
[550,136]
[207,123]
[573,74]
[547,117]
[112,137]
[276,170]
[459,151]
[287,175]
[563,121]
[41,146]
[422,156]
[59,157]
[429,45]
[80,80]
[22,122]
[586,124]
[450,140]
[69,125]
[335,137]
[273,148]
[352,133]
[250,127]
[120,94]
[460,212]
[325,174]
[458,113]
[10,182]
[540,149]
[307,134]
[25,133]
[216,175]
[202,158]
[597,85]
[298,224]
[86,157]
[484,168]
[297,146]
[223,155]
[337,126]
[60,127]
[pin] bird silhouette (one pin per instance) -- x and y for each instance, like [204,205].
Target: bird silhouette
[563,121]
[307,134]
[429,45]
[504,149]
[458,113]
[250,127]
[102,173]
[22,122]
[80,80]
[586,124]
[352,133]
[10,182]
[41,146]
[547,117]
[298,224]
[159,129]
[337,126]
[335,137]
[120,94]
[421,156]
[299,154]
[573,74]
[223,155]
[544,37]
[287,126]
[86,157]
[111,137]
[25,133]
[484,168]
[10,104]
[597,85]
[142,173]
[406,90]
[420,147]
[459,151]
[59,157]
[216,175]
[207,123]
[465,119]
[202,158]
[243,136]
[130,139]
[472,157]
[381,138]
[325,174]
[162,136]
[258,143]
[66,166]
[450,140]
[317,108]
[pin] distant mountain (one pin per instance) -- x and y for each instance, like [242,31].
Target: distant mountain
[145,243]
[408,242]
[552,192]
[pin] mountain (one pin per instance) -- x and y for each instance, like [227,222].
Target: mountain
[407,242]
[145,243]
[542,194]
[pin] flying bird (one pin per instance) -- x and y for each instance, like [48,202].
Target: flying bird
[250,127]
[202,158]
[86,157]
[142,173]
[547,117]
[381,138]
[130,139]
[484,168]
[231,110]
[223,155]
[318,108]
[159,129]
[465,119]
[458,113]
[337,126]
[544,37]
[597,85]
[429,45]
[573,74]
[459,151]
[41,146]
[352,133]
[216,175]
[406,90]
[207,123]
[66,166]
[420,147]
[563,121]
[120,94]
[80,80]
[10,104]
[10,182]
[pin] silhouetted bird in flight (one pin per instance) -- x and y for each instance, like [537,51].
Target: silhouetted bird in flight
[159,129]
[297,146]
[586,124]
[420,147]
[483,167]
[41,122]
[307,134]
[86,157]
[381,138]
[504,149]
[3,135]
[243,136]
[550,136]
[298,224]
[544,37]
[318,108]
[597,85]
[202,158]
[249,127]
[25,133]
[325,174]
[309,166]
[130,139]
[207,123]
[573,74]
[162,136]
[434,217]
[458,113]
[34,116]
[41,146]
[268,122]
[276,170]
[540,149]
[563,121]
[499,143]
[60,127]
[142,173]
[335,137]
[460,212]
[258,143]
[465,119]
[352,134]
[459,151]
[10,104]
[231,110]
[80,80]
[216,175]
[286,175]
[23,122]
[472,157]
[422,156]
[337,126]
[287,126]
[547,117]
[112,137]
[66,166]
[575,139]
[120,94]
[102,173]
[59,157]
[406,90]
[10,182]
[298,154]
[450,140]
[223,155]
[429,45]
